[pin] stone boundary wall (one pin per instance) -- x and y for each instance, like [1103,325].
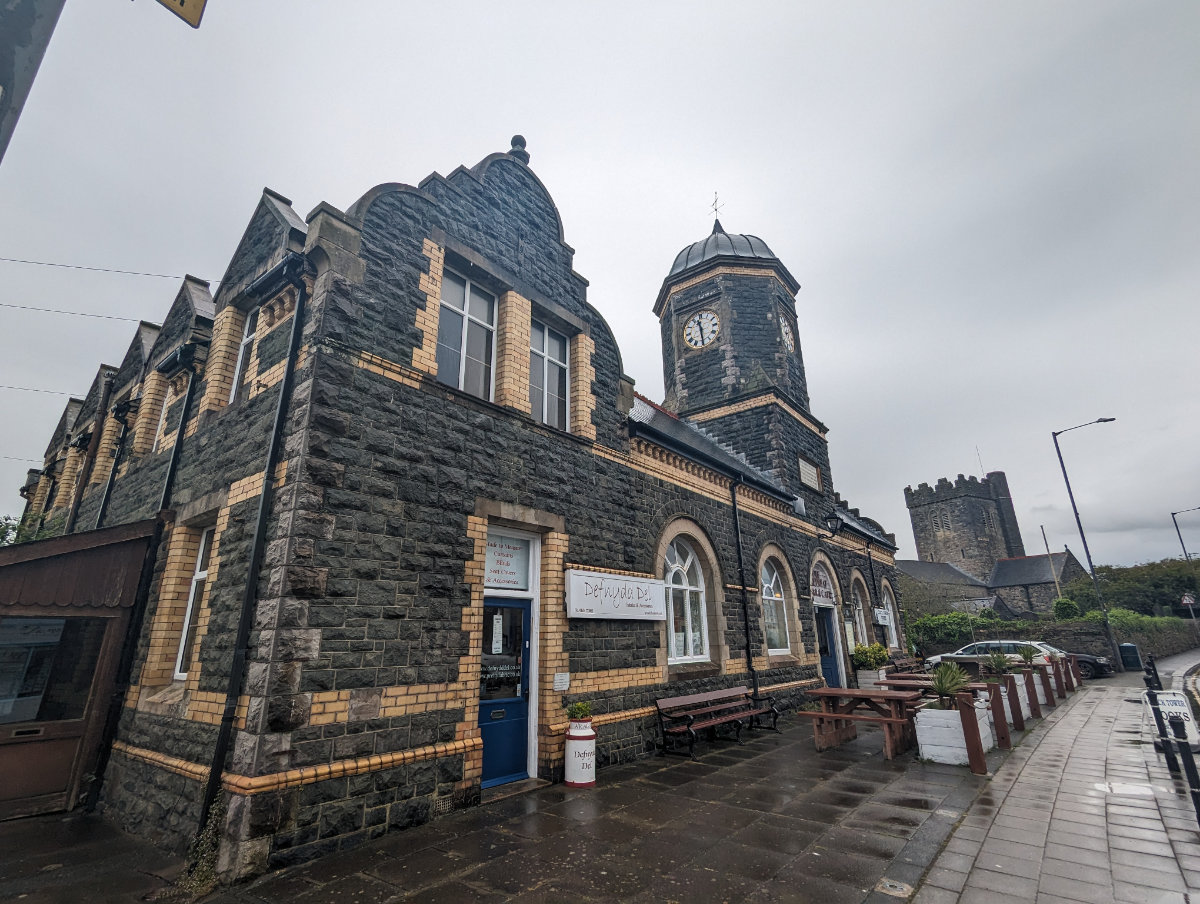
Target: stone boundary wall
[1085,636]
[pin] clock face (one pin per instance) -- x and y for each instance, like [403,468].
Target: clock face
[702,329]
[786,329]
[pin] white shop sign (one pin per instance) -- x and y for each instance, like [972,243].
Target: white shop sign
[593,594]
[883,617]
[1173,703]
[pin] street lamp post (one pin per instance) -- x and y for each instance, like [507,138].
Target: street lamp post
[1186,557]
[1112,642]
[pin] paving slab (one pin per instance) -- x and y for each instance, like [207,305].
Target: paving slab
[1083,810]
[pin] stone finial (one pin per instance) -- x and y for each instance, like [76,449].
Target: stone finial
[518,149]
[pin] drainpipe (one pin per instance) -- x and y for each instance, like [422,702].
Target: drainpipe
[288,271]
[89,459]
[120,411]
[737,535]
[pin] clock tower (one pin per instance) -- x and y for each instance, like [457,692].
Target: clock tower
[732,363]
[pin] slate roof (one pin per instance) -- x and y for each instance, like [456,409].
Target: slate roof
[936,573]
[721,244]
[865,527]
[649,419]
[1027,570]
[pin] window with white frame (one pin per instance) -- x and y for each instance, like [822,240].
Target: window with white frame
[248,334]
[687,616]
[548,377]
[466,344]
[858,596]
[162,419]
[889,607]
[187,641]
[775,623]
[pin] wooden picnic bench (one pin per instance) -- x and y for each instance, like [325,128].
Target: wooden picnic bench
[842,707]
[905,664]
[680,717]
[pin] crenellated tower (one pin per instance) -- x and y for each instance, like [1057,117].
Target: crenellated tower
[970,523]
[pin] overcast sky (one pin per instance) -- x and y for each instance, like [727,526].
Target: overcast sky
[993,208]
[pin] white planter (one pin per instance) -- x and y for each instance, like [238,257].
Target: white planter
[1023,697]
[869,678]
[940,734]
[1041,691]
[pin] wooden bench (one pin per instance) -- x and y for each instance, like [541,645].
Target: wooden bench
[680,717]
[905,664]
[892,710]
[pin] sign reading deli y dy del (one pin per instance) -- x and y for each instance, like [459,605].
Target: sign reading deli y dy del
[592,594]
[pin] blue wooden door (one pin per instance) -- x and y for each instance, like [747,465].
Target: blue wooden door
[504,691]
[827,647]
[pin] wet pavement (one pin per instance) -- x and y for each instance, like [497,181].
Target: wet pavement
[768,821]
[1081,810]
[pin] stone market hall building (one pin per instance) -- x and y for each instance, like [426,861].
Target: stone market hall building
[373,513]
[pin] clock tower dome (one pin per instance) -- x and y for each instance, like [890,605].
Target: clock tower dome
[732,363]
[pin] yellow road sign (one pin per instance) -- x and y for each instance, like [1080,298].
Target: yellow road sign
[190,11]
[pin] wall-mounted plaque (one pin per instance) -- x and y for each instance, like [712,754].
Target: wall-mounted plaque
[593,594]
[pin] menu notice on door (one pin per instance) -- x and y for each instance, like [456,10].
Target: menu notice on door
[594,594]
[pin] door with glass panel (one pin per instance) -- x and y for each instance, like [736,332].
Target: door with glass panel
[504,691]
[50,669]
[827,646]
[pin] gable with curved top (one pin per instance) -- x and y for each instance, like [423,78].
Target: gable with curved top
[495,223]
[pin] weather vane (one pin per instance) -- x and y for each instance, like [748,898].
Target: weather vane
[716,207]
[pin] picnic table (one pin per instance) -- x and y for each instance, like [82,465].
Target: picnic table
[842,707]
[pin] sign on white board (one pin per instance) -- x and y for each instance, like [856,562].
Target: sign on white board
[593,594]
[1174,703]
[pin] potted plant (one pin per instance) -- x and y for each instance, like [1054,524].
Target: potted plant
[939,724]
[1028,654]
[869,663]
[580,766]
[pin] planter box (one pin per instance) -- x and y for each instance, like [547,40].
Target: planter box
[940,734]
[1023,697]
[869,678]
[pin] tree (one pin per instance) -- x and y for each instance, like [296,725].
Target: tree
[1065,608]
[8,529]
[1154,588]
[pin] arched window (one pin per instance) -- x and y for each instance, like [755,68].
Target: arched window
[775,623]
[858,596]
[822,586]
[889,607]
[687,637]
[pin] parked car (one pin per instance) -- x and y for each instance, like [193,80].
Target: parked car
[976,653]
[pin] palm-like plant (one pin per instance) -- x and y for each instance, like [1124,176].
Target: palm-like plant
[948,679]
[997,664]
[1027,654]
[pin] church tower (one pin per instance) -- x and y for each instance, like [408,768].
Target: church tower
[970,523]
[732,363]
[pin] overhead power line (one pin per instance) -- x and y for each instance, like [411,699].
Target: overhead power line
[31,389]
[17,260]
[32,461]
[27,307]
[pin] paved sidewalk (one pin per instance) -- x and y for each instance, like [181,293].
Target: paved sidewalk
[1083,811]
